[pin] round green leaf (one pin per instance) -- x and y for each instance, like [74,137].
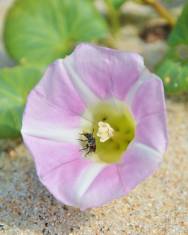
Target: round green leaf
[174,75]
[15,84]
[43,30]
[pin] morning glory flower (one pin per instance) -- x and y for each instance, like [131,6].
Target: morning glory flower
[95,125]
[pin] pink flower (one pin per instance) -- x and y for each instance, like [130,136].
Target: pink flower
[95,125]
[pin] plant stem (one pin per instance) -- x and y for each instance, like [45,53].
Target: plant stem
[113,17]
[162,10]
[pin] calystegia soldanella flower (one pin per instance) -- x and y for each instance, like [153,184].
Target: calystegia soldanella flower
[95,125]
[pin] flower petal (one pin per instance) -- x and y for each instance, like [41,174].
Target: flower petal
[107,72]
[56,87]
[85,179]
[61,181]
[54,108]
[42,119]
[152,131]
[105,187]
[85,92]
[67,183]
[148,97]
[70,178]
[116,180]
[50,155]
[139,162]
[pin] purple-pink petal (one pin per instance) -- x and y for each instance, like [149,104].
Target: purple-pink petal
[62,181]
[56,87]
[106,187]
[151,131]
[41,109]
[107,72]
[139,162]
[149,97]
[50,155]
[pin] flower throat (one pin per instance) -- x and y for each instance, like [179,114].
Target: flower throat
[112,131]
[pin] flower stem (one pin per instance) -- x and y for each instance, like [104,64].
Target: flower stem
[162,10]
[114,17]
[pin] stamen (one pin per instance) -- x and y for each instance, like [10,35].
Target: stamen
[105,131]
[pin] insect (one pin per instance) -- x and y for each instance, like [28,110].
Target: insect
[90,145]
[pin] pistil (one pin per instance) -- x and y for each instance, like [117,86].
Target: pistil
[105,131]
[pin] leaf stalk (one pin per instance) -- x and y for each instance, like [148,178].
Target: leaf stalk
[162,11]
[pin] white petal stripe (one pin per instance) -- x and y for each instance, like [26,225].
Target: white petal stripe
[147,149]
[51,132]
[86,94]
[86,178]
[145,75]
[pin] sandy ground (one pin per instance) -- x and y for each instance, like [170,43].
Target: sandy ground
[158,206]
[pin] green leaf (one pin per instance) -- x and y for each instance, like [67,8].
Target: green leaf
[174,68]
[174,75]
[179,34]
[173,2]
[15,84]
[43,30]
[117,3]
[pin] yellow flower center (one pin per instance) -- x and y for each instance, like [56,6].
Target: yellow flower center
[112,128]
